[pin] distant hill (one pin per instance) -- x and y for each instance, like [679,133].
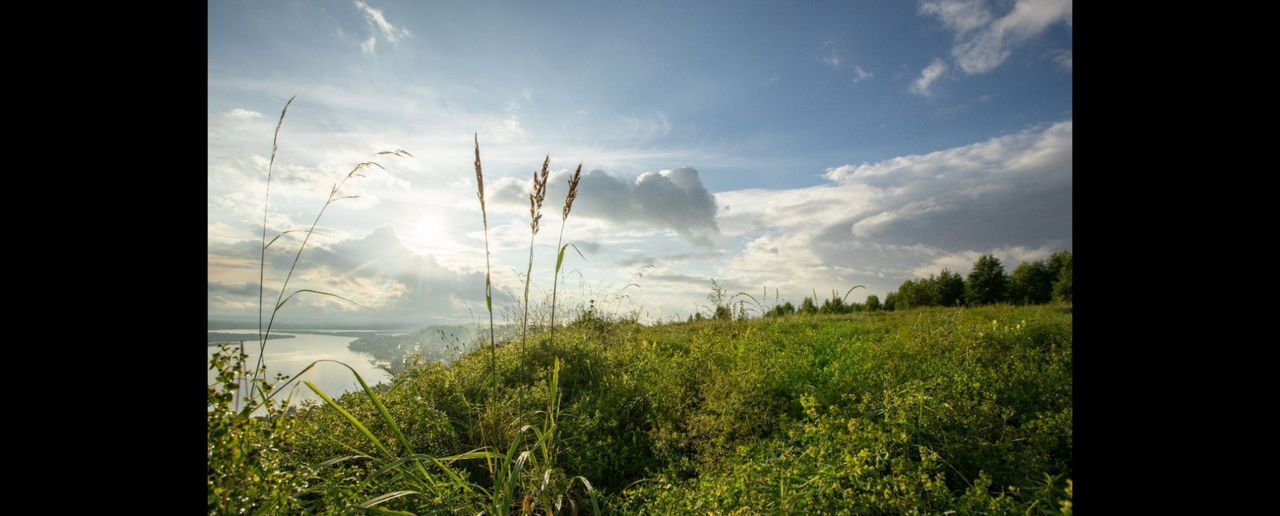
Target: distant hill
[443,343]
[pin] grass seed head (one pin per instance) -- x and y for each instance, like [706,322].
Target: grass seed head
[480,183]
[538,195]
[573,191]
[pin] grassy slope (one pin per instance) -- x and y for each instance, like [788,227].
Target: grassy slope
[922,410]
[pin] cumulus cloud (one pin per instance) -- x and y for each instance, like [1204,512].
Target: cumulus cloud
[1010,187]
[673,200]
[881,223]
[982,41]
[923,85]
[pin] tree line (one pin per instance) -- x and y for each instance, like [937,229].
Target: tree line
[1035,282]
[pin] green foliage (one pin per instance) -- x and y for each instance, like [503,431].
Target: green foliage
[917,293]
[987,283]
[945,289]
[783,309]
[1035,282]
[955,411]
[873,303]
[721,302]
[948,288]
[1032,283]
[1060,262]
[934,410]
[248,472]
[834,305]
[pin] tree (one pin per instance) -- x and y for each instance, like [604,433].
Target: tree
[948,288]
[835,305]
[723,312]
[916,293]
[1032,283]
[1061,263]
[781,310]
[987,282]
[808,307]
[1058,262]
[873,303]
[890,301]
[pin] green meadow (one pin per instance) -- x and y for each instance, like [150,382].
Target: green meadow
[916,411]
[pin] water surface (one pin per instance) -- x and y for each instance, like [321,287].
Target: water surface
[289,356]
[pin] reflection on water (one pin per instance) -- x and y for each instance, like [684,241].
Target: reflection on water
[289,356]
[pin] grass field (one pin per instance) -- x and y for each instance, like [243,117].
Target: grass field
[916,411]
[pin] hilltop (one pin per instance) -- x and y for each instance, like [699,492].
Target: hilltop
[930,410]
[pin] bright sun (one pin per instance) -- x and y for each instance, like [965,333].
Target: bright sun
[423,235]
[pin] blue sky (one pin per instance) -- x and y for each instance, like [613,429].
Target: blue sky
[847,142]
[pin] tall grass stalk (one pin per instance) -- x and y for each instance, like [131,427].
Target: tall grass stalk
[488,281]
[266,203]
[535,215]
[850,291]
[568,206]
[281,298]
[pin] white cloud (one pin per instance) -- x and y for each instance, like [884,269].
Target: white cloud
[507,130]
[961,16]
[872,223]
[1010,257]
[668,200]
[243,114]
[881,223]
[378,22]
[983,42]
[860,75]
[923,85]
[1063,58]
[395,285]
[832,58]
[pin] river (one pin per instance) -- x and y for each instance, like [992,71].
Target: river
[289,356]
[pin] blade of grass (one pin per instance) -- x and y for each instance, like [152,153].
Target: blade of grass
[488,281]
[591,492]
[568,207]
[350,418]
[317,292]
[388,497]
[846,294]
[343,458]
[266,204]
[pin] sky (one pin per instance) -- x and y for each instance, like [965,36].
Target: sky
[779,148]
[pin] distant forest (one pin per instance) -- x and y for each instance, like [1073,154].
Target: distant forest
[1032,283]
